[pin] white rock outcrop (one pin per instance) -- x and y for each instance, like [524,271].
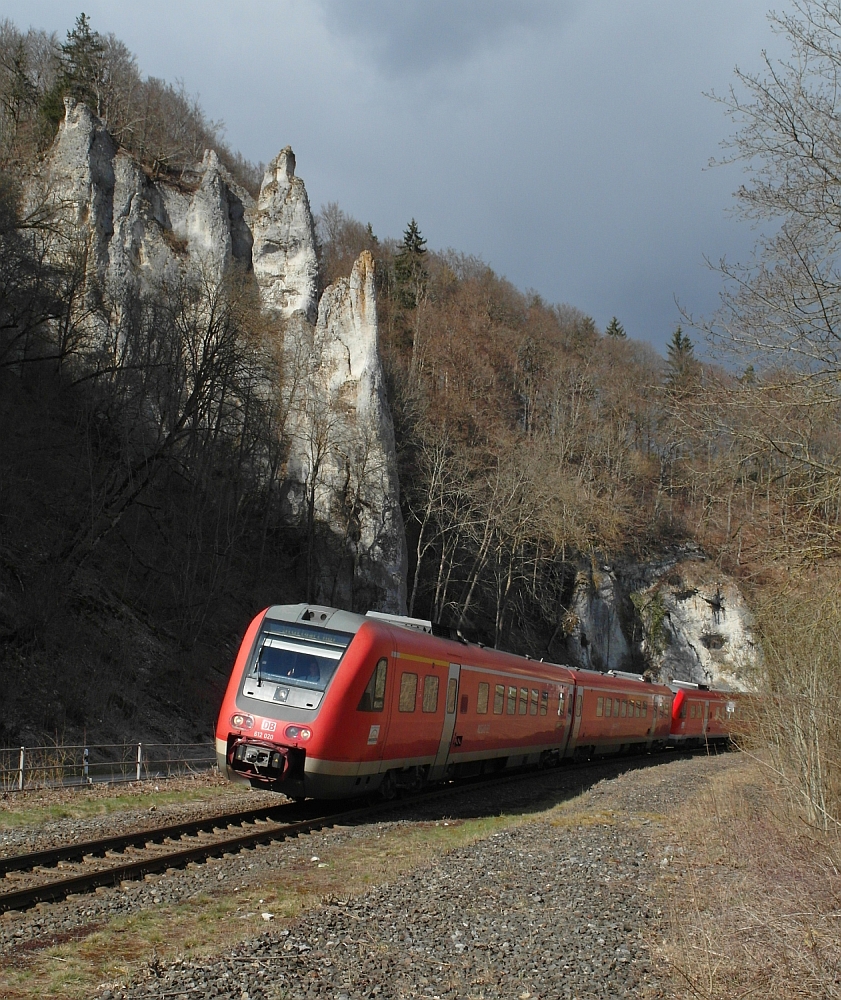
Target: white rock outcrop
[137,232]
[677,618]
[344,456]
[595,623]
[699,628]
[284,254]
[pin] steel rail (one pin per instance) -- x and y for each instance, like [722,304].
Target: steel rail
[85,882]
[67,852]
[60,888]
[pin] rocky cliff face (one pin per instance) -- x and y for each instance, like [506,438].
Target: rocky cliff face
[136,232]
[285,261]
[678,617]
[344,459]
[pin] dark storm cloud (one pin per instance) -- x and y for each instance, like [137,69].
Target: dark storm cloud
[563,142]
[414,38]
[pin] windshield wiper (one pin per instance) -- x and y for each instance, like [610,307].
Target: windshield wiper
[259,672]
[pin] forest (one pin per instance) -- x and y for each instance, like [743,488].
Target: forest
[529,442]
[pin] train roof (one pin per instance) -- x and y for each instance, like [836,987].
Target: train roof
[316,614]
[348,621]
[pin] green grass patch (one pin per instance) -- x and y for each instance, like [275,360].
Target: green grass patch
[211,923]
[30,810]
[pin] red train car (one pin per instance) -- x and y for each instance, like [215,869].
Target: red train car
[619,712]
[328,704]
[700,715]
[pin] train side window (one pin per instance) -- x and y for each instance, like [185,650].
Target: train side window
[430,693]
[692,710]
[373,697]
[608,707]
[482,698]
[599,707]
[637,709]
[499,698]
[524,701]
[408,692]
[682,714]
[512,701]
[535,696]
[578,701]
[544,702]
[464,703]
[452,687]
[615,708]
[645,708]
[623,708]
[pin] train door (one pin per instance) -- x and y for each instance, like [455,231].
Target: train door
[439,768]
[706,717]
[577,706]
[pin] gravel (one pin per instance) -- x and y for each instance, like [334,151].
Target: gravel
[18,840]
[563,906]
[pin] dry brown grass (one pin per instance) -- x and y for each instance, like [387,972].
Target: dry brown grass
[118,949]
[754,894]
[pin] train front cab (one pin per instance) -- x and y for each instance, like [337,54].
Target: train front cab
[281,726]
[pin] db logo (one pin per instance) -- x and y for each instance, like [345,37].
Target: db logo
[268,725]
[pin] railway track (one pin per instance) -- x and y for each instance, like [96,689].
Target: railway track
[111,860]
[148,851]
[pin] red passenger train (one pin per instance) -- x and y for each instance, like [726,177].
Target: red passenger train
[324,703]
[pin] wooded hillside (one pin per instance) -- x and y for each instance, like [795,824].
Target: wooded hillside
[530,443]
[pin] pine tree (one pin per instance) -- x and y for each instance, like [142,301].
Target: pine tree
[615,329]
[83,65]
[409,268]
[82,73]
[681,363]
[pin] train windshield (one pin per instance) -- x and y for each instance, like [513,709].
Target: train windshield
[298,655]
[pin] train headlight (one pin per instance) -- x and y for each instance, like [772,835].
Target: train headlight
[298,733]
[239,721]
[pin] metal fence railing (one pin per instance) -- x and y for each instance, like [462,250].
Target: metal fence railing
[56,766]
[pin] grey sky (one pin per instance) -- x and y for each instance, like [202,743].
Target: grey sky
[565,143]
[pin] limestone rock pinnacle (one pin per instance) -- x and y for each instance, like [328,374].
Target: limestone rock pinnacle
[284,256]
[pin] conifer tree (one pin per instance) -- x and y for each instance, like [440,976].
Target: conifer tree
[615,329]
[681,363]
[409,268]
[82,73]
